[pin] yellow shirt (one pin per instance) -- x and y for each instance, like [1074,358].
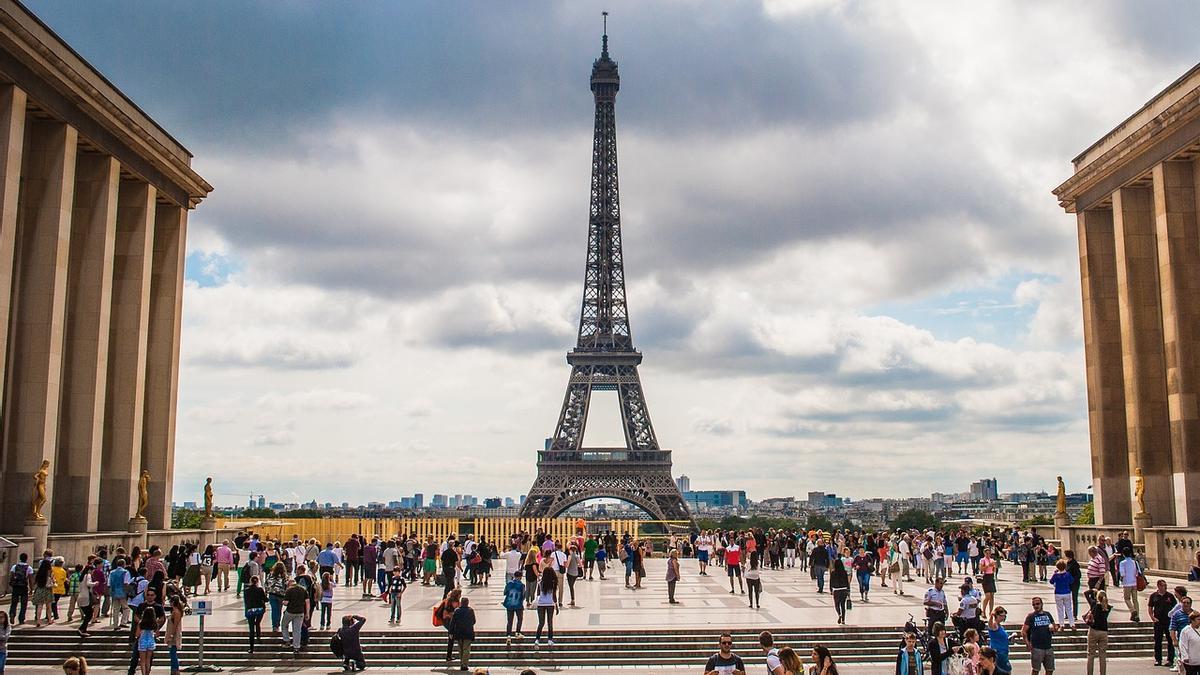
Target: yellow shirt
[60,580]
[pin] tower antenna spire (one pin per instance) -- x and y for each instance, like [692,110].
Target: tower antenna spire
[604,48]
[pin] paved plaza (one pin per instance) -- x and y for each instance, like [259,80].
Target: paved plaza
[789,599]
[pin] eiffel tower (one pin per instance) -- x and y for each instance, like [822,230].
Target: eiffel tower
[604,359]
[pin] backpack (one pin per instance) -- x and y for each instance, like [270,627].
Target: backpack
[335,645]
[514,594]
[18,577]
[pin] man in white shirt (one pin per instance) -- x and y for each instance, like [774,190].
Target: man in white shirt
[1128,572]
[767,642]
[512,562]
[905,556]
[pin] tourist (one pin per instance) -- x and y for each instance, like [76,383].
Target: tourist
[863,566]
[703,548]
[352,551]
[451,566]
[908,660]
[988,568]
[296,607]
[547,603]
[987,661]
[5,632]
[1189,645]
[1179,615]
[512,561]
[254,604]
[58,574]
[725,662]
[574,570]
[823,662]
[328,561]
[352,651]
[395,591]
[672,576]
[370,558]
[1160,604]
[43,593]
[444,615]
[601,561]
[839,586]
[1097,568]
[326,603]
[818,563]
[1097,623]
[753,577]
[173,637]
[73,580]
[767,642]
[20,576]
[1127,574]
[533,573]
[999,641]
[276,587]
[1038,632]
[223,556]
[1062,580]
[462,627]
[895,569]
[75,665]
[85,599]
[514,605]
[789,660]
[119,580]
[147,621]
[939,649]
[733,565]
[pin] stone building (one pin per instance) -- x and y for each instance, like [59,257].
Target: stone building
[1134,195]
[94,200]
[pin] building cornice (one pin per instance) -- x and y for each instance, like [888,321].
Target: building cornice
[117,126]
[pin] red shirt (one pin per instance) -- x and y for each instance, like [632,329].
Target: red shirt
[733,555]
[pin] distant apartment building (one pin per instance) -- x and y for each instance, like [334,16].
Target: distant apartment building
[684,483]
[439,502]
[713,499]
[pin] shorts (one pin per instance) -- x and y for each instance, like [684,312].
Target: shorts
[146,641]
[369,570]
[1041,658]
[963,557]
[734,570]
[702,556]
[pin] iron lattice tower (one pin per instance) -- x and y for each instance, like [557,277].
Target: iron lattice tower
[604,359]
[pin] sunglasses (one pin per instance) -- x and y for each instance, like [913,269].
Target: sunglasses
[726,642]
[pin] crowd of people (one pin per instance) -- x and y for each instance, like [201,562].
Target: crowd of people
[294,583]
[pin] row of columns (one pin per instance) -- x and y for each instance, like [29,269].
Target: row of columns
[91,272]
[1140,266]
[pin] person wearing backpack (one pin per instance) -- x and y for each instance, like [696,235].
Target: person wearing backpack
[514,607]
[118,582]
[347,641]
[462,628]
[18,584]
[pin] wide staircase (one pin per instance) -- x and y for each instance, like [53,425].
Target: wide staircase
[599,648]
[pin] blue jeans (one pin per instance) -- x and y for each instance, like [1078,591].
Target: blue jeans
[276,610]
[864,581]
[174,659]
[396,606]
[819,575]
[4,657]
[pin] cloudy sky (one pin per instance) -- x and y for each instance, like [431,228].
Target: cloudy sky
[846,269]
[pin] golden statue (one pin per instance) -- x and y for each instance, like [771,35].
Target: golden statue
[1062,496]
[39,491]
[1139,490]
[208,498]
[143,494]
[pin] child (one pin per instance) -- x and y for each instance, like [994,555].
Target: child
[395,592]
[73,580]
[326,600]
[601,561]
[514,605]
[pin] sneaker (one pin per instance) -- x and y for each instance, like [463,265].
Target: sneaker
[508,642]
[549,643]
[519,636]
[537,644]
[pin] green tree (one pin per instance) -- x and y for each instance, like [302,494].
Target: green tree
[915,519]
[186,519]
[302,513]
[258,513]
[1087,515]
[817,521]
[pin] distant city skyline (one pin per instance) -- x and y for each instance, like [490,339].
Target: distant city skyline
[850,275]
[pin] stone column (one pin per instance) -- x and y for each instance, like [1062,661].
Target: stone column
[1179,278]
[37,324]
[1105,375]
[1142,350]
[12,141]
[162,366]
[122,457]
[85,374]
